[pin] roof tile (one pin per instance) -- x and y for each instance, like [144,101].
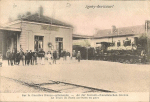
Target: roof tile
[45,19]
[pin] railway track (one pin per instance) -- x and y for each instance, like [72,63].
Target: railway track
[59,87]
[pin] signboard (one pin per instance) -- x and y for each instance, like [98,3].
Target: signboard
[49,27]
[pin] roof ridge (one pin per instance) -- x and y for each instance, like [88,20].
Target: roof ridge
[121,27]
[42,19]
[47,17]
[131,26]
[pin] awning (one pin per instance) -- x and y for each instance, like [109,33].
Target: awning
[10,29]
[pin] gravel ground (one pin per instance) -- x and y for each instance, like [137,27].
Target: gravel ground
[12,86]
[111,76]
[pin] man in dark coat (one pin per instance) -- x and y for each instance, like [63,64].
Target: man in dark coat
[54,57]
[30,56]
[74,55]
[35,55]
[27,57]
[42,56]
[64,55]
[12,57]
[8,56]
[18,57]
[22,57]
[79,56]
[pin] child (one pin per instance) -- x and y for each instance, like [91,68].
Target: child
[0,59]
[49,56]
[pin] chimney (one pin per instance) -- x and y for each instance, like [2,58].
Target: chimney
[113,30]
[40,11]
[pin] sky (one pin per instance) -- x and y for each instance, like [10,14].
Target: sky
[85,16]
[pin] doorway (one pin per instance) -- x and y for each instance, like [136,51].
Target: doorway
[59,45]
[9,41]
[38,42]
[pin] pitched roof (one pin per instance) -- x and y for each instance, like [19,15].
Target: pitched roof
[44,19]
[140,29]
[77,36]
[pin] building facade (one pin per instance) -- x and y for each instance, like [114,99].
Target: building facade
[35,32]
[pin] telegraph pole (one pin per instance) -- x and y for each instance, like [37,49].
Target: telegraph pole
[147,26]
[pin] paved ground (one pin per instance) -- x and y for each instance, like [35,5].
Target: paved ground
[110,76]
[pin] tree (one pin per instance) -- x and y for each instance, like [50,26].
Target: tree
[28,13]
[19,16]
[142,41]
[10,19]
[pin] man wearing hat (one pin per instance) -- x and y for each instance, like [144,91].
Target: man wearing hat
[79,56]
[31,57]
[8,55]
[26,57]
[22,57]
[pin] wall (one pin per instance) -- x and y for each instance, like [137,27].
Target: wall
[30,30]
[1,41]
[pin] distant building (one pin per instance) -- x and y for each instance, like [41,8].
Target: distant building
[35,32]
[118,35]
[115,36]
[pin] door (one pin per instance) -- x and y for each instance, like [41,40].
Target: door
[38,43]
[59,45]
[60,48]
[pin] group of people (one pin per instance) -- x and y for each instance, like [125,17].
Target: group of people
[36,57]
[28,57]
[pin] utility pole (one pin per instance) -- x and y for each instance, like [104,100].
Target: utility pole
[147,27]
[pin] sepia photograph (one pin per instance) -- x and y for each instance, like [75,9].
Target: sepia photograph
[90,50]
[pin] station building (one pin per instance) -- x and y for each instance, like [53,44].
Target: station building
[35,32]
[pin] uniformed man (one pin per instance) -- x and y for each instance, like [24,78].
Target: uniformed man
[8,56]
[79,56]
[26,57]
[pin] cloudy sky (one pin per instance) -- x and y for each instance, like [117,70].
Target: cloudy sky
[76,13]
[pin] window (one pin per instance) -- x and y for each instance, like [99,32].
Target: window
[38,43]
[127,42]
[112,44]
[118,43]
[58,39]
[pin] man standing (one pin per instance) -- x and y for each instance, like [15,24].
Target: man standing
[22,57]
[42,55]
[1,59]
[74,55]
[12,58]
[54,57]
[30,56]
[18,58]
[8,55]
[64,55]
[79,56]
[143,55]
[35,57]
[26,57]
